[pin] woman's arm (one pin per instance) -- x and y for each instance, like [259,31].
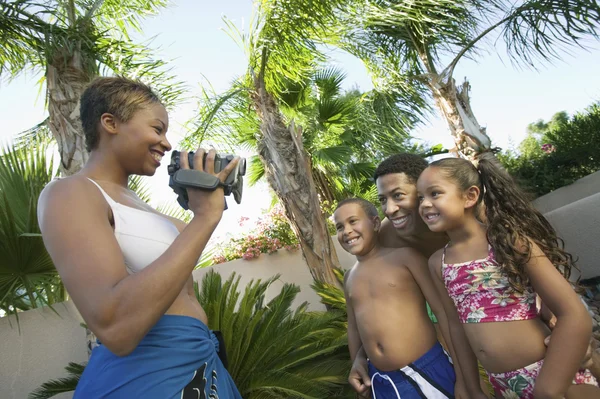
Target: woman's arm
[573,330]
[119,308]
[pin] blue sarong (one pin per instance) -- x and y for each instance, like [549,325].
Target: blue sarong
[176,359]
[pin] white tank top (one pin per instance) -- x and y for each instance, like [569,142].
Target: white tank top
[143,236]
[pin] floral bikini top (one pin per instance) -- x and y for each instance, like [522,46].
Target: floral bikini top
[482,293]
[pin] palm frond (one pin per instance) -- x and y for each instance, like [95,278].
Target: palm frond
[55,387]
[274,351]
[256,170]
[139,185]
[118,55]
[338,155]
[329,81]
[27,275]
[175,211]
[543,29]
[287,38]
[22,38]
[37,135]
[123,14]
[224,119]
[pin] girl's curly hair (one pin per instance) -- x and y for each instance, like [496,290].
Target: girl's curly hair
[512,221]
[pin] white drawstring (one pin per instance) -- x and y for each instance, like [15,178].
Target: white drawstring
[384,377]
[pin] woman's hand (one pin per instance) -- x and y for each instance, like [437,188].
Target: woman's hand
[207,203]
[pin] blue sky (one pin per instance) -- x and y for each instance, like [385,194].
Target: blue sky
[504,99]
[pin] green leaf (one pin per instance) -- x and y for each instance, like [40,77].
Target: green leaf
[28,278]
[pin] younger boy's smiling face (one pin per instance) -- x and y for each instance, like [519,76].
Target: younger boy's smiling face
[356,231]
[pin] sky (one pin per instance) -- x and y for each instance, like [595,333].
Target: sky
[504,99]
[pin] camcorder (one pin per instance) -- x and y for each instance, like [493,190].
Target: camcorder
[182,179]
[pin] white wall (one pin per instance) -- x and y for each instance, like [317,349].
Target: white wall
[290,265]
[45,345]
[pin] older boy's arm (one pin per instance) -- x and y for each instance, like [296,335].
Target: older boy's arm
[359,377]
[464,359]
[417,265]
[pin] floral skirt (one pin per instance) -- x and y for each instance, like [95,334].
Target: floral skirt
[519,383]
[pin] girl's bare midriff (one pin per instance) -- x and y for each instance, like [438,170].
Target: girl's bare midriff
[507,346]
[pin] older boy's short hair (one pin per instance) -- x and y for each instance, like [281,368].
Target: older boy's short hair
[412,165]
[369,209]
[118,96]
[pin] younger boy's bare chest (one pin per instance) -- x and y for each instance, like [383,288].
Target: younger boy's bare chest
[380,281]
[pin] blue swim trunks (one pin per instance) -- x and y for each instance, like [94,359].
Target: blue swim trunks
[176,359]
[431,376]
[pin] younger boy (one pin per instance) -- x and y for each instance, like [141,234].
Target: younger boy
[385,294]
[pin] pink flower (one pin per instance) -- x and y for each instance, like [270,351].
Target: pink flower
[219,259]
[242,220]
[548,148]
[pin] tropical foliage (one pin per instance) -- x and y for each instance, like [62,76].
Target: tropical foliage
[271,233]
[557,153]
[344,133]
[281,48]
[273,349]
[28,278]
[70,43]
[61,385]
[405,44]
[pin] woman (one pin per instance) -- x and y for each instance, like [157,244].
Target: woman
[128,268]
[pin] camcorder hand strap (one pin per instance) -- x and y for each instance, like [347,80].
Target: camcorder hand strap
[191,178]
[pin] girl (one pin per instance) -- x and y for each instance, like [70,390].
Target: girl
[128,268]
[490,274]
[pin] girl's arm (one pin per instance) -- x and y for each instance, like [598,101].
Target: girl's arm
[573,330]
[464,358]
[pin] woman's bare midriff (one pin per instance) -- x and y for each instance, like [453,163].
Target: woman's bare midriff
[187,305]
[507,346]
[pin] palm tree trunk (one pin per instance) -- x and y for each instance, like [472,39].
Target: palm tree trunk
[323,186]
[289,174]
[454,103]
[66,80]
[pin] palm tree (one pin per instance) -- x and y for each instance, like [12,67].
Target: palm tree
[404,42]
[282,47]
[71,42]
[344,134]
[28,278]
[273,351]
